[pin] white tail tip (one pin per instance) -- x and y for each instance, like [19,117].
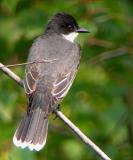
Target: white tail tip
[30,145]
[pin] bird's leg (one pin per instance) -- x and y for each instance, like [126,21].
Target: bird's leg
[56,108]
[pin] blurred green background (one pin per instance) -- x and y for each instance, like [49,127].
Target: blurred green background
[100,101]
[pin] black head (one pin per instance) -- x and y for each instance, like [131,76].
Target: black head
[63,23]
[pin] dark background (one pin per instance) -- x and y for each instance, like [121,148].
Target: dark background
[100,101]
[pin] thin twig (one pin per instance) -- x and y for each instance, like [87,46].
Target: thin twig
[108,55]
[23,64]
[75,129]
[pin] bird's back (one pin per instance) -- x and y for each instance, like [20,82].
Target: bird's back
[63,54]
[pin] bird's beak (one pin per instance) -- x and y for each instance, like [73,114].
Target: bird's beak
[82,30]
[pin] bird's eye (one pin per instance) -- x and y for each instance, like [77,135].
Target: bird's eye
[70,26]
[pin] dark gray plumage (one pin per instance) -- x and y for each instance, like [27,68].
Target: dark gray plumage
[47,83]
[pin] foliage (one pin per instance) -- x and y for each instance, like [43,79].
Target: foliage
[100,101]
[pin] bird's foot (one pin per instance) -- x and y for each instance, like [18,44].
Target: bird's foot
[57,108]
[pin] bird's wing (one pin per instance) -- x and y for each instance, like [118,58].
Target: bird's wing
[63,82]
[62,85]
[31,77]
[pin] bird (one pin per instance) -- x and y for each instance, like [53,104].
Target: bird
[47,83]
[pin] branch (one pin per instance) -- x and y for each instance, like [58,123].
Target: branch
[108,55]
[81,135]
[11,74]
[75,129]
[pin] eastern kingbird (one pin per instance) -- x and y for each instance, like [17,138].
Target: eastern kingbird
[46,84]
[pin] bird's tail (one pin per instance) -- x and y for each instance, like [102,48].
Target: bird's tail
[32,130]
